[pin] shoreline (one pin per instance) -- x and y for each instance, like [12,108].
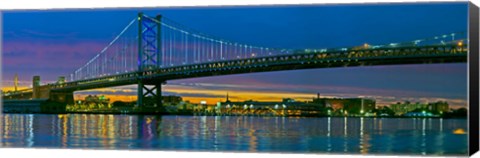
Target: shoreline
[193,114]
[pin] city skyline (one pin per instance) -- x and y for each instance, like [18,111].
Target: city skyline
[72,48]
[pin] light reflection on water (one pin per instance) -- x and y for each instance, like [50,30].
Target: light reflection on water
[421,136]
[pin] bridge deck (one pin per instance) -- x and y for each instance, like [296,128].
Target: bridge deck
[349,58]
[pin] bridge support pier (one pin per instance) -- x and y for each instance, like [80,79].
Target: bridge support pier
[62,97]
[149,97]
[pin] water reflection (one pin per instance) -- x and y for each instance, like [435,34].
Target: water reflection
[243,133]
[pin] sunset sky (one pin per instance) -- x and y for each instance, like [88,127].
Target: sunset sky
[57,42]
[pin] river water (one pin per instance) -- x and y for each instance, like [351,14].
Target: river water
[405,136]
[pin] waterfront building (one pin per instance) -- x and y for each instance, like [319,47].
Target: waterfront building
[350,106]
[61,80]
[439,107]
[402,108]
[288,100]
[359,106]
[172,99]
[288,106]
[420,114]
[96,99]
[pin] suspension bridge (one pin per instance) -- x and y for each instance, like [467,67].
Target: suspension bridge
[151,50]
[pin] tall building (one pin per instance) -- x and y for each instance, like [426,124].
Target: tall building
[172,99]
[317,100]
[438,107]
[350,105]
[358,105]
[227,99]
[36,87]
[402,108]
[36,81]
[61,80]
[15,82]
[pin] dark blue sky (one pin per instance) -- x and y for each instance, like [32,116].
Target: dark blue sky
[273,26]
[54,43]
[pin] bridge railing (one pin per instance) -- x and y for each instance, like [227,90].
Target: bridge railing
[433,51]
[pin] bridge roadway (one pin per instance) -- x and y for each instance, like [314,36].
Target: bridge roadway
[451,53]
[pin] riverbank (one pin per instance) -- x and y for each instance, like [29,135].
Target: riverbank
[33,106]
[189,113]
[47,109]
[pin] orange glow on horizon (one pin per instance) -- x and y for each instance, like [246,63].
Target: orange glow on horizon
[12,88]
[210,96]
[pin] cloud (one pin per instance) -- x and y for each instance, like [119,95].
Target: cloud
[341,91]
[42,35]
[193,94]
[48,59]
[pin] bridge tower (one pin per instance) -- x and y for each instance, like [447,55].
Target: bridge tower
[149,57]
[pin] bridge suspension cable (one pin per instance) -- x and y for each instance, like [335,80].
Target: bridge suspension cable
[163,43]
[183,46]
[114,58]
